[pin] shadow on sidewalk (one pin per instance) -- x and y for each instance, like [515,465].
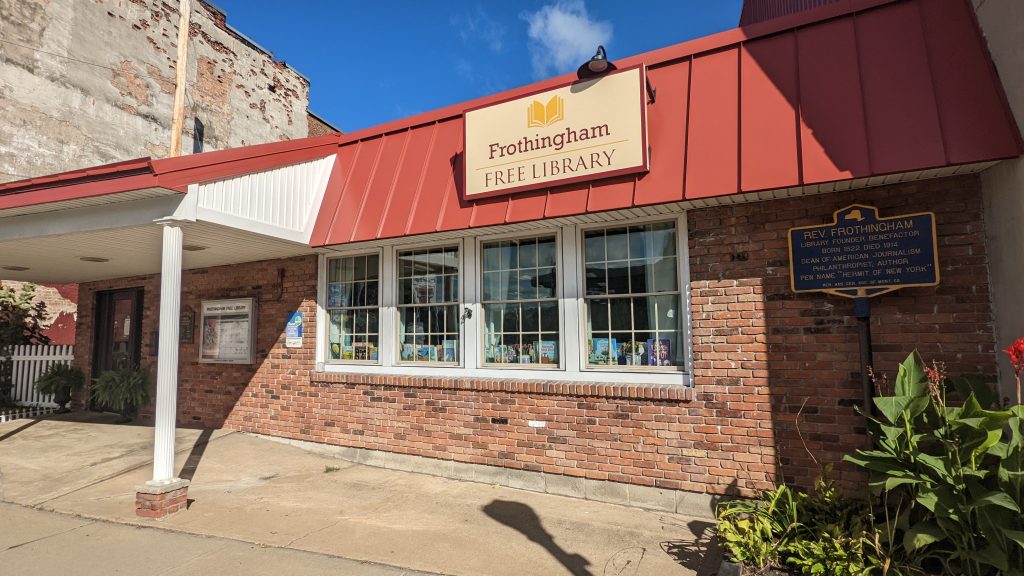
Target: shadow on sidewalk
[188,470]
[522,518]
[21,428]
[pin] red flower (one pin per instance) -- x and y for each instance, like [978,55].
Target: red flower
[1016,353]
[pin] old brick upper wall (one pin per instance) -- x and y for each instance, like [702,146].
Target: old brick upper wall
[760,352]
[90,82]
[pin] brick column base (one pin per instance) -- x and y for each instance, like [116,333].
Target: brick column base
[161,501]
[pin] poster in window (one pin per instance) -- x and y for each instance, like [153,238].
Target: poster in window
[227,331]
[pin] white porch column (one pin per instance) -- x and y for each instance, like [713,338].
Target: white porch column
[167,357]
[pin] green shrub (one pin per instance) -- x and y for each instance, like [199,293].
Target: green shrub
[951,477]
[123,391]
[60,377]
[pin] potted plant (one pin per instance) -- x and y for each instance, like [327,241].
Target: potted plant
[61,380]
[123,391]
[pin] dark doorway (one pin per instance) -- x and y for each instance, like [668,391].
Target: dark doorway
[118,332]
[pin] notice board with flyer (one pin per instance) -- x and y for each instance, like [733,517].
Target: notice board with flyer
[228,328]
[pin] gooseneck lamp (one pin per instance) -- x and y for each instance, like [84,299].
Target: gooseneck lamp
[596,66]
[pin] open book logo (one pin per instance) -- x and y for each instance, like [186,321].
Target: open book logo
[539,115]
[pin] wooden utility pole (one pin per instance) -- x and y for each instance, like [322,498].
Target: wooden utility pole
[178,115]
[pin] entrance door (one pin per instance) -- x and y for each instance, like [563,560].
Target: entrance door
[118,332]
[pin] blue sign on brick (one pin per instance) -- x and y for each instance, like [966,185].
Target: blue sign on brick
[860,255]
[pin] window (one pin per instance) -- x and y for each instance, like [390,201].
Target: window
[632,300]
[353,306]
[520,302]
[428,306]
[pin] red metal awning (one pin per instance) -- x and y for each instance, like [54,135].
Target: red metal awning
[853,89]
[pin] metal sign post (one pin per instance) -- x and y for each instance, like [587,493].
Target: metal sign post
[860,256]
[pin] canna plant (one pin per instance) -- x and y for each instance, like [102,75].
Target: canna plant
[953,474]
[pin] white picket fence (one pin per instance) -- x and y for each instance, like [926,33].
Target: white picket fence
[30,361]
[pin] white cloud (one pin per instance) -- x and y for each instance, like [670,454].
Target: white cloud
[562,36]
[478,25]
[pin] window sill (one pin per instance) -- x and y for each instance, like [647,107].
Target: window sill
[673,392]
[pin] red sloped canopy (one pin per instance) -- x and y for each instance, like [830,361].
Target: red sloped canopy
[856,88]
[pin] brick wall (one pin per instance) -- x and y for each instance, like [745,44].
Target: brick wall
[208,393]
[761,353]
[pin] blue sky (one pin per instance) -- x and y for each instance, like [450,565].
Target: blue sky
[374,61]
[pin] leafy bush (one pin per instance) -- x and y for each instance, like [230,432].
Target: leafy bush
[58,377]
[123,391]
[951,476]
[821,533]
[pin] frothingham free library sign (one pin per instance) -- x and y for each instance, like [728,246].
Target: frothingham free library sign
[585,281]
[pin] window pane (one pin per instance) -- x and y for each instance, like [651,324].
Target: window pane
[596,280]
[546,252]
[372,267]
[597,312]
[637,243]
[668,317]
[662,239]
[643,313]
[546,283]
[492,256]
[429,325]
[549,316]
[665,277]
[528,253]
[639,271]
[511,319]
[491,284]
[530,319]
[637,330]
[520,272]
[617,246]
[527,283]
[618,277]
[359,272]
[593,246]
[621,314]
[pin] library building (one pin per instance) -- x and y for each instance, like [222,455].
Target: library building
[649,280]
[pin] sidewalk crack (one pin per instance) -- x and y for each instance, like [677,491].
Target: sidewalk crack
[48,536]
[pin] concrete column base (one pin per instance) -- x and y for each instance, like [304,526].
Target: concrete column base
[160,500]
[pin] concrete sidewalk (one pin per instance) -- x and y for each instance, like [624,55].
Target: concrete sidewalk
[268,493]
[45,543]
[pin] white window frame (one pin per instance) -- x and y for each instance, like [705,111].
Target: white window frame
[569,276]
[559,296]
[683,283]
[460,305]
[323,344]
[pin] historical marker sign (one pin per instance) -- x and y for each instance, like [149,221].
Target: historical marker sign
[861,255]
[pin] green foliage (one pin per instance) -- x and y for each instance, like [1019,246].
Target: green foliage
[60,376]
[822,533]
[20,323]
[754,530]
[123,390]
[951,476]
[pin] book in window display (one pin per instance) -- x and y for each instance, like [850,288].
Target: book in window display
[605,351]
[659,352]
[360,351]
[450,351]
[408,352]
[547,351]
[348,353]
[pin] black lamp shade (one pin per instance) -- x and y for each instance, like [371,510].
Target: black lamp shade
[598,65]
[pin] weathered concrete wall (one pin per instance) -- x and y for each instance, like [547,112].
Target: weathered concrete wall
[90,82]
[1002,22]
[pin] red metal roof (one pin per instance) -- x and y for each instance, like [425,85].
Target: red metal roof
[173,174]
[754,11]
[855,88]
